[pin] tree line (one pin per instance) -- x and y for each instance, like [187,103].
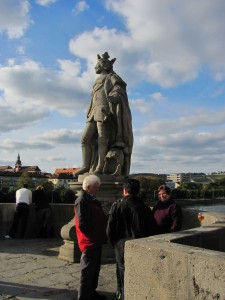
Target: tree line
[149,187]
[60,194]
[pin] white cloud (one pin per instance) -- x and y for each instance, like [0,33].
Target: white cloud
[35,90]
[45,2]
[14,18]
[80,7]
[46,140]
[15,117]
[184,144]
[140,105]
[157,96]
[192,120]
[167,42]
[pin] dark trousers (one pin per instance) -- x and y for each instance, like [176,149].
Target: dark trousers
[119,253]
[90,263]
[121,270]
[21,215]
[43,223]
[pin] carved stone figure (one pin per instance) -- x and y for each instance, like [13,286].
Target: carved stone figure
[109,124]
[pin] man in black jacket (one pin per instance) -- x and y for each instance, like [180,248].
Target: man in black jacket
[129,218]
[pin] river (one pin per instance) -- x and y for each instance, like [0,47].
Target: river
[217,208]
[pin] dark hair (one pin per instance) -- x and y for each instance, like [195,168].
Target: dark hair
[165,188]
[132,186]
[25,185]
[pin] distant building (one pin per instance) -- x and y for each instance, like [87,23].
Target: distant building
[9,175]
[199,178]
[178,177]
[66,171]
[63,176]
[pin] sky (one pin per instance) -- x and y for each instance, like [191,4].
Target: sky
[171,54]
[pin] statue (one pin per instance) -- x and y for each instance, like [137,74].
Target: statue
[107,139]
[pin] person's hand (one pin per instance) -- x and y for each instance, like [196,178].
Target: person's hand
[113,99]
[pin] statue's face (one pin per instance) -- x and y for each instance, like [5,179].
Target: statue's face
[98,68]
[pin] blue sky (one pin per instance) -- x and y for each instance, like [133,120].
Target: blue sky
[171,54]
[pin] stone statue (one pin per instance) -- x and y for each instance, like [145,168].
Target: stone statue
[107,139]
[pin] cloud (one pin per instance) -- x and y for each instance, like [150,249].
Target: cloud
[45,141]
[56,158]
[199,120]
[80,7]
[14,18]
[157,96]
[45,2]
[61,136]
[159,46]
[14,118]
[140,105]
[30,90]
[168,43]
[183,144]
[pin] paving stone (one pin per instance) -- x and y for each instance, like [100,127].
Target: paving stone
[31,269]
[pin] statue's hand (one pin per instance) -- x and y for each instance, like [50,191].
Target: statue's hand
[113,99]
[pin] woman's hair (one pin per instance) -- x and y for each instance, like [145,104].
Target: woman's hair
[39,188]
[164,188]
[90,180]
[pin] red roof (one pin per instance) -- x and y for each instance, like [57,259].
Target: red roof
[66,171]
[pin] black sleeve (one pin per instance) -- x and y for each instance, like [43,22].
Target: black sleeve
[176,216]
[112,225]
[83,215]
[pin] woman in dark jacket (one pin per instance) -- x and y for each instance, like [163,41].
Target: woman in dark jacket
[167,213]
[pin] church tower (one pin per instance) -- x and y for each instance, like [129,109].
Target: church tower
[18,164]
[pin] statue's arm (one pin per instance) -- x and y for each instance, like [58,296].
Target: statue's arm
[117,87]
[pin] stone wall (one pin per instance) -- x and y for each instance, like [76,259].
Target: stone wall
[61,214]
[186,265]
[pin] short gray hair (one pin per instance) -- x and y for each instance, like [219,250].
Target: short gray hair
[90,180]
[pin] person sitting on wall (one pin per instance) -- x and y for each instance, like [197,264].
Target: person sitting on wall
[167,213]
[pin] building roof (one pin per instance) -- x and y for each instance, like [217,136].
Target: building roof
[66,171]
[30,169]
[5,168]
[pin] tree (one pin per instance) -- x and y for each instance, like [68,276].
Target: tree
[67,196]
[149,184]
[47,185]
[24,179]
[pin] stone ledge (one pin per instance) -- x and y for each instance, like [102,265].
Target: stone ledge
[169,267]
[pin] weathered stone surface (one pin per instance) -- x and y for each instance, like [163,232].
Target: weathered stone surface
[185,265]
[107,139]
[30,269]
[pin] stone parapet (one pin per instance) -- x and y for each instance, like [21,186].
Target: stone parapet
[186,265]
[61,214]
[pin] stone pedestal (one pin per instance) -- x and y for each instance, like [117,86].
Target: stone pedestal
[109,192]
[69,251]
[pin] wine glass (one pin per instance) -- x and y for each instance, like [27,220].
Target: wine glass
[200,216]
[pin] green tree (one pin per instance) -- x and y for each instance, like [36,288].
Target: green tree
[25,179]
[47,185]
[67,196]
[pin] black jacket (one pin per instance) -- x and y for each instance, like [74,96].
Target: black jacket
[129,218]
[90,222]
